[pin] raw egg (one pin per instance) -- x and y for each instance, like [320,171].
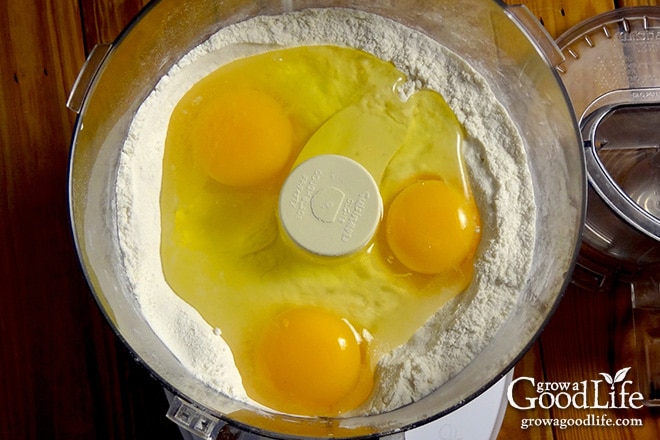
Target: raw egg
[432,227]
[310,359]
[242,137]
[306,332]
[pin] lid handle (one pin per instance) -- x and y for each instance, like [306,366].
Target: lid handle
[538,34]
[86,76]
[645,291]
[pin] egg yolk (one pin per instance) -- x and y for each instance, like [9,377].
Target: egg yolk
[242,137]
[431,227]
[311,362]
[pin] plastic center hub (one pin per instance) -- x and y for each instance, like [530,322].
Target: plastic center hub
[330,206]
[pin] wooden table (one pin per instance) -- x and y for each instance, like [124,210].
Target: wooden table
[63,373]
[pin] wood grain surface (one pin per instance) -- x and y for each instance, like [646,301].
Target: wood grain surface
[63,372]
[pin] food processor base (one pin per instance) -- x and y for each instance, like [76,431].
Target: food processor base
[488,409]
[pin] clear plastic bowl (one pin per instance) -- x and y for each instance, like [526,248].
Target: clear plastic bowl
[484,32]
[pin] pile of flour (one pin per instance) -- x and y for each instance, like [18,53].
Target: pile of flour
[494,156]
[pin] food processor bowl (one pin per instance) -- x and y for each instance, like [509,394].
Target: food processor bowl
[489,36]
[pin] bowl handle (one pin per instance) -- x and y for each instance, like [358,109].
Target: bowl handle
[538,34]
[86,76]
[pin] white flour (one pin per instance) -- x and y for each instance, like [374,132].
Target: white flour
[494,155]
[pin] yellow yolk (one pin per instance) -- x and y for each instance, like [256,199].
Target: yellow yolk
[242,137]
[432,227]
[310,361]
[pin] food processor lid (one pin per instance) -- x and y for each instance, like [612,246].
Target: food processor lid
[612,75]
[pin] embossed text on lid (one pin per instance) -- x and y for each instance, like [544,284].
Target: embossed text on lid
[330,205]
